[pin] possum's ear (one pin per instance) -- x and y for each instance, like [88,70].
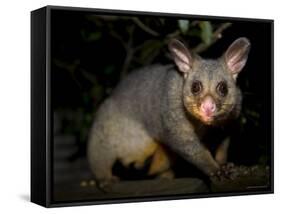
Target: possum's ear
[181,56]
[236,55]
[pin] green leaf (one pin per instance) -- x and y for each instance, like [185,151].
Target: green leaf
[206,32]
[90,36]
[94,36]
[194,32]
[183,25]
[150,48]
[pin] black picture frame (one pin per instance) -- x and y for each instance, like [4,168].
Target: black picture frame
[42,119]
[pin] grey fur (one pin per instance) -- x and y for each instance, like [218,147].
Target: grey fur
[151,106]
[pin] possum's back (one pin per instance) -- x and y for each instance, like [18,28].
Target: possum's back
[140,93]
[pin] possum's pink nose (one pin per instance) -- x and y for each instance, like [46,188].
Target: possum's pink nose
[208,106]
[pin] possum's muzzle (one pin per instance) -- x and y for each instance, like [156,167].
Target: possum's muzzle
[207,109]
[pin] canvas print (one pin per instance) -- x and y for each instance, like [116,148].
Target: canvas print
[151,106]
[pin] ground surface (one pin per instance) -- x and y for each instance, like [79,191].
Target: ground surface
[73,180]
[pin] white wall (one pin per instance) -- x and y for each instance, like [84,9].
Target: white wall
[15,105]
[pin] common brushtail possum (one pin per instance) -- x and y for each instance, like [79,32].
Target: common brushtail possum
[168,105]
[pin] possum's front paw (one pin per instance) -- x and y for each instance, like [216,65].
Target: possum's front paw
[227,171]
[106,185]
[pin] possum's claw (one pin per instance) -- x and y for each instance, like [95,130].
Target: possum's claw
[226,172]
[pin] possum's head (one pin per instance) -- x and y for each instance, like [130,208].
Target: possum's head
[210,93]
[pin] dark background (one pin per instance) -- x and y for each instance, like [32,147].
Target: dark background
[91,53]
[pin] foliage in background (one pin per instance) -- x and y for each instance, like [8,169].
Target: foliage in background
[111,48]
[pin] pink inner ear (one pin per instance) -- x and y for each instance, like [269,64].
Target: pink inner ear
[181,60]
[235,64]
[183,67]
[181,56]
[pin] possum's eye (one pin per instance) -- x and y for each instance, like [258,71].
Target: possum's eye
[222,89]
[196,87]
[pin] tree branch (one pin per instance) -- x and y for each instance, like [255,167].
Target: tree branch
[145,27]
[216,36]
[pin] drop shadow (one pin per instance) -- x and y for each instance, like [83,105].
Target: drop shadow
[25,197]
